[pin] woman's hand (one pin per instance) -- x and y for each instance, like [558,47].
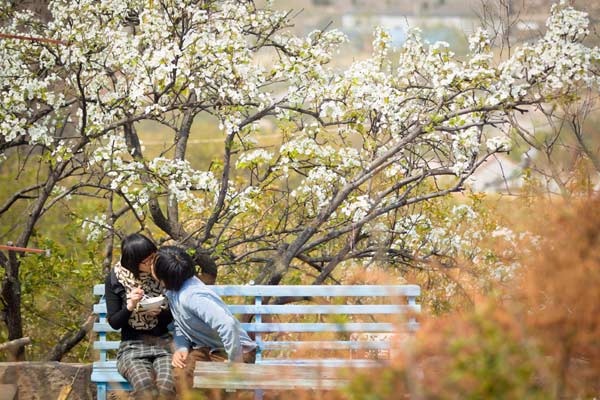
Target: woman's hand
[134,298]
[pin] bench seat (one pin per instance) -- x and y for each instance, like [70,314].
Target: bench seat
[311,374]
[284,331]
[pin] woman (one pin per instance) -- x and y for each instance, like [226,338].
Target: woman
[144,356]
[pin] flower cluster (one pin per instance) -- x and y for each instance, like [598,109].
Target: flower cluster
[460,235]
[183,181]
[357,209]
[316,190]
[401,127]
[254,157]
[96,227]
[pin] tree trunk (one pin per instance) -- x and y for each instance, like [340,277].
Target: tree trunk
[11,284]
[11,301]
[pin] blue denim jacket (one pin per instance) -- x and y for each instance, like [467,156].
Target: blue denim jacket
[203,319]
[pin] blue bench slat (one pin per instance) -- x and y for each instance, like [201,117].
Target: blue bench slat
[296,327]
[103,327]
[263,376]
[105,364]
[100,308]
[107,344]
[310,309]
[319,327]
[281,345]
[99,290]
[322,309]
[342,362]
[108,376]
[308,290]
[111,366]
[329,345]
[234,383]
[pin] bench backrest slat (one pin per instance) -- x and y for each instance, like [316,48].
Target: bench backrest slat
[308,290]
[326,345]
[314,291]
[104,327]
[289,345]
[107,345]
[318,327]
[311,309]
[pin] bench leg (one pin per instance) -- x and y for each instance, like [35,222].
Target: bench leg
[258,394]
[101,395]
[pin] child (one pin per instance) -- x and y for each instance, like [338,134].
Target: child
[204,326]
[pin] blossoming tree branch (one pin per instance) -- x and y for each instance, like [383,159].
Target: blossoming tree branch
[360,149]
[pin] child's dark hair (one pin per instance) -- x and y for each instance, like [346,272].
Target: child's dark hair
[136,248]
[173,267]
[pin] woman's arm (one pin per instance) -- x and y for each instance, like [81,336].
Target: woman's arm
[117,312]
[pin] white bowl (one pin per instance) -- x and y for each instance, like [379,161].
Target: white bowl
[152,303]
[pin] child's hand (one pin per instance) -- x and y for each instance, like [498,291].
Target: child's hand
[179,358]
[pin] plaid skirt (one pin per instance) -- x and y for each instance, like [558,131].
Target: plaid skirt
[146,364]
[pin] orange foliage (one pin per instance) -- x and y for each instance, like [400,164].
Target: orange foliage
[538,338]
[558,298]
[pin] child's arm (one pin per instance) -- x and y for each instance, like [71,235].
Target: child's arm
[182,346]
[180,341]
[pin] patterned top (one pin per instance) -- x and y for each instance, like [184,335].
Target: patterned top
[139,319]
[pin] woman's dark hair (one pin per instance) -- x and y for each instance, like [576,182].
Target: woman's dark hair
[136,248]
[173,267]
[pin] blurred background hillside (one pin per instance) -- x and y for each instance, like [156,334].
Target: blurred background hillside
[446,20]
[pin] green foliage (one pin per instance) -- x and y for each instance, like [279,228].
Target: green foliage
[490,363]
[477,356]
[363,387]
[57,289]
[57,292]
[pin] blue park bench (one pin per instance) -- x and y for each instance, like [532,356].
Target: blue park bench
[354,333]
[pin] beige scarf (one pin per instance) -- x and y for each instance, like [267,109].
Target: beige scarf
[139,319]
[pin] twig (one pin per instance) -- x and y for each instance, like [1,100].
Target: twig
[33,39]
[25,250]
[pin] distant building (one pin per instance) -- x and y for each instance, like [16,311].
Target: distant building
[448,28]
[405,7]
[498,174]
